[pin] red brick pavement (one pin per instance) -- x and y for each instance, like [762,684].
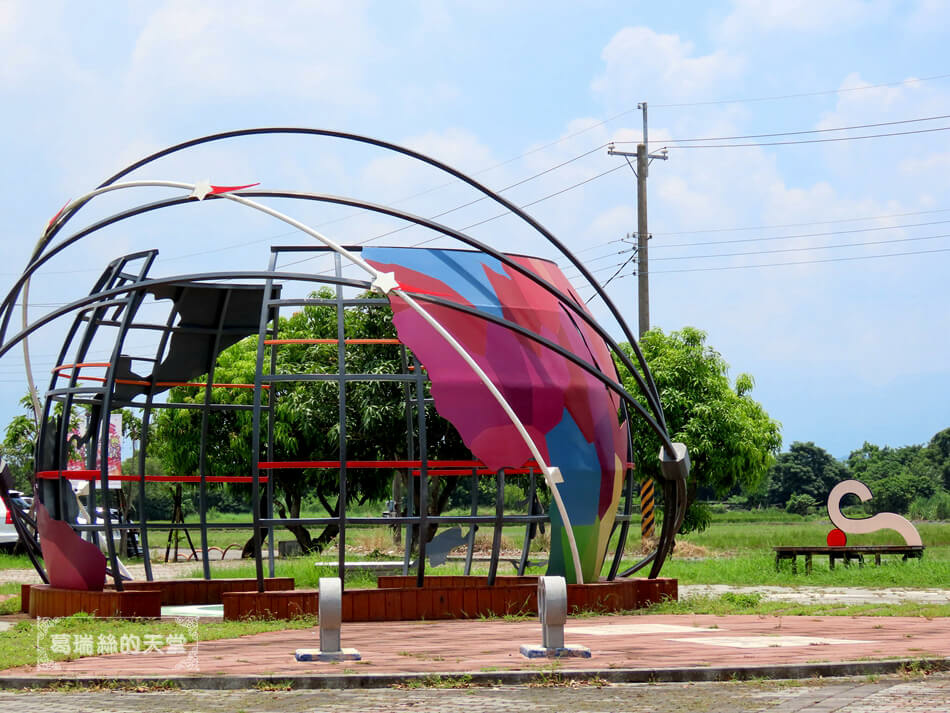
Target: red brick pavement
[447,646]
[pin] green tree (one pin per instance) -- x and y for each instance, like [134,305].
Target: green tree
[306,418]
[732,441]
[19,444]
[939,449]
[896,476]
[805,469]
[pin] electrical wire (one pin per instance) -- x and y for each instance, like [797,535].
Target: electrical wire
[781,250]
[660,244]
[799,225]
[799,95]
[611,278]
[801,132]
[833,221]
[767,239]
[475,224]
[809,141]
[792,250]
[787,264]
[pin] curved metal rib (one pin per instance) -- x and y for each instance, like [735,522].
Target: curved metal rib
[66,215]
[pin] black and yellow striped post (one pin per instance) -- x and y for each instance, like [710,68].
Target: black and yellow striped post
[646,508]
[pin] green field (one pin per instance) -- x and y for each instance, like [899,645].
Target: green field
[736,549]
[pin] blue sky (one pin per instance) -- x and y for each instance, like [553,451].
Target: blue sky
[842,352]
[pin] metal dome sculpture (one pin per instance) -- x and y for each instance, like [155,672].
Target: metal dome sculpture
[516,363]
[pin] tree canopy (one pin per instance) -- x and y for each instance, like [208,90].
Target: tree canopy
[307,416]
[732,441]
[19,443]
[805,469]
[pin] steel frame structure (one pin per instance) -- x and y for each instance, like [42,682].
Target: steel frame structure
[114,301]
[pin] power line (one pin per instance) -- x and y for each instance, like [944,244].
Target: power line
[771,227]
[800,235]
[811,141]
[799,95]
[784,264]
[477,223]
[500,190]
[337,220]
[754,240]
[786,250]
[799,225]
[610,279]
[801,132]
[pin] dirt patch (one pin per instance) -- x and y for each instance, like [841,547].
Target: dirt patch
[681,548]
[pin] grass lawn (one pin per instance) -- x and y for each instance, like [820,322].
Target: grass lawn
[740,553]
[735,549]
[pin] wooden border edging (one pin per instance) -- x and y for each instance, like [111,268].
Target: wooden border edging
[65,602]
[452,597]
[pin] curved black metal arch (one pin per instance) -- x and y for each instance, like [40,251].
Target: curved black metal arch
[61,219]
[648,387]
[6,307]
[197,277]
[670,525]
[614,386]
[652,400]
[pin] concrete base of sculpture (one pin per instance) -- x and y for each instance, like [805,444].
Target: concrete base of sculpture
[533,651]
[397,598]
[318,655]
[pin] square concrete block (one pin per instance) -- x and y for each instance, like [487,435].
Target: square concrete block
[536,651]
[318,655]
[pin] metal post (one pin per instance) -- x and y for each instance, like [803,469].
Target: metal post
[341,371]
[496,535]
[643,275]
[423,474]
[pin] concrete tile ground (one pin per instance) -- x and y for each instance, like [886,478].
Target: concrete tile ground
[888,694]
[657,641]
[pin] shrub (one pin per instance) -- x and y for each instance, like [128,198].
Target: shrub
[800,504]
[936,507]
[698,518]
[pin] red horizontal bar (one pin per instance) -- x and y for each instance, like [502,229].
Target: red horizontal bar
[330,341]
[276,465]
[95,475]
[480,471]
[164,384]
[61,367]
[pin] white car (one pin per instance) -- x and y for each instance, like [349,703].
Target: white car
[8,534]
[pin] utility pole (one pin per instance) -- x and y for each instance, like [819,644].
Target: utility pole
[643,241]
[641,171]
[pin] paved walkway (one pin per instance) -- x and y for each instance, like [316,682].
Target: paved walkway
[889,694]
[457,653]
[616,642]
[823,595]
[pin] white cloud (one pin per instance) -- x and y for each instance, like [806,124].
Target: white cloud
[27,57]
[391,177]
[244,49]
[640,62]
[930,16]
[861,165]
[754,17]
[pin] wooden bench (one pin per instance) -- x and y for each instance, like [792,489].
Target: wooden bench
[847,554]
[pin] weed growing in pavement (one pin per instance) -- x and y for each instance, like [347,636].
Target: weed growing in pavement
[435,680]
[727,605]
[18,644]
[93,686]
